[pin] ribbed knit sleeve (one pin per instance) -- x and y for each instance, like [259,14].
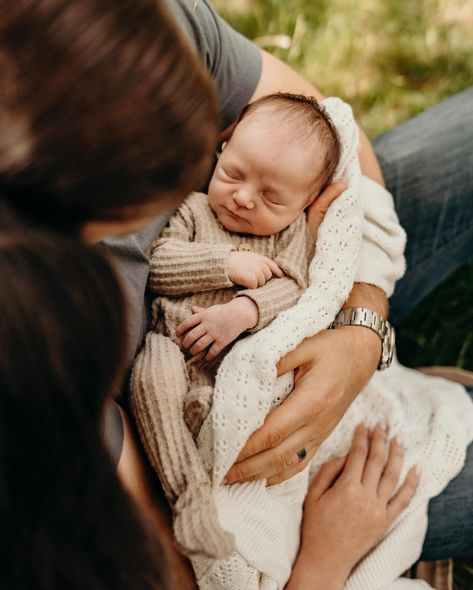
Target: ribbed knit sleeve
[293,253]
[272,298]
[178,265]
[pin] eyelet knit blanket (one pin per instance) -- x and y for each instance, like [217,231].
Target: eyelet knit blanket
[433,418]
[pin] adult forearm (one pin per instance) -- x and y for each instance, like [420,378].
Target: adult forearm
[364,295]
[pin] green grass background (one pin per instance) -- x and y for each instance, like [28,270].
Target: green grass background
[390,59]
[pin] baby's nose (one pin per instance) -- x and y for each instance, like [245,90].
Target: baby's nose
[244,198]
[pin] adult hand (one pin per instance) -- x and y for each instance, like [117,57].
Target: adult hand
[251,270]
[316,211]
[217,326]
[331,369]
[350,505]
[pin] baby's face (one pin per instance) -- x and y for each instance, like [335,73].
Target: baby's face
[263,180]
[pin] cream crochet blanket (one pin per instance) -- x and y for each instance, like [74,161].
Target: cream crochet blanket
[433,417]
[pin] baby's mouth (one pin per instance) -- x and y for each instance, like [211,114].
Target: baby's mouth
[235,215]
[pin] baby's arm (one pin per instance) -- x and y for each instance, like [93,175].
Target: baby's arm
[253,308]
[294,249]
[178,265]
[217,326]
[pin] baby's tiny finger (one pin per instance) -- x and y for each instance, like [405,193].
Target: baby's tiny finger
[403,496]
[268,273]
[201,344]
[275,269]
[193,335]
[214,351]
[188,323]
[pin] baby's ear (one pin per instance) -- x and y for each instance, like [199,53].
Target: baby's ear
[224,145]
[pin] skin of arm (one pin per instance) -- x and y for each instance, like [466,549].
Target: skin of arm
[331,367]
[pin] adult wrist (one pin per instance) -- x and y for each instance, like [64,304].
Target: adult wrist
[370,296]
[376,324]
[312,573]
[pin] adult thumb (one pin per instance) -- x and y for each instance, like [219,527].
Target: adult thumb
[317,210]
[302,354]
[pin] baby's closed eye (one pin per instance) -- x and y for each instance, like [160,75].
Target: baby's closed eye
[232,174]
[271,198]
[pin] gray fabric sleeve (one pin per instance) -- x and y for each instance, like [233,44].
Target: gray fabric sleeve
[232,60]
[130,258]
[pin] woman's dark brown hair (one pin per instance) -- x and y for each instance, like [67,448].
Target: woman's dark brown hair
[103,107]
[66,521]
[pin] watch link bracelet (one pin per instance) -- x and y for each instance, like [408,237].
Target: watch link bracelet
[361,316]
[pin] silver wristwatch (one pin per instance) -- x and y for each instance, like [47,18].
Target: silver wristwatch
[361,316]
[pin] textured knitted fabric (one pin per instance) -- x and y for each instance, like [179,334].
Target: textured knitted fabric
[432,417]
[189,262]
[171,391]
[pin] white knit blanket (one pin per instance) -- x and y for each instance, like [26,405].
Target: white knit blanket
[433,417]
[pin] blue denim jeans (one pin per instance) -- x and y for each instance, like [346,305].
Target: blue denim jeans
[428,166]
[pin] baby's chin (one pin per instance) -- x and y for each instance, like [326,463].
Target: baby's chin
[235,227]
[232,224]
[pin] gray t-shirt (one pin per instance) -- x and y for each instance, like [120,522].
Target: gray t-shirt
[235,65]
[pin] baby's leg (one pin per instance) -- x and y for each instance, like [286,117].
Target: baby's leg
[199,397]
[159,386]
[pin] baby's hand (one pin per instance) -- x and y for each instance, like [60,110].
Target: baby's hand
[251,270]
[217,326]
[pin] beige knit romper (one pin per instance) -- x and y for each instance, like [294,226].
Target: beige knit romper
[171,391]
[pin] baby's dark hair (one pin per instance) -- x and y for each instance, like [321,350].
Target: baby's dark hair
[306,117]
